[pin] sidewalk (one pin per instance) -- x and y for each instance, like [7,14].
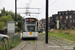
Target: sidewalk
[18,46]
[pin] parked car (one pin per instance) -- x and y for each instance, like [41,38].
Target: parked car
[40,30]
[3,36]
[1,31]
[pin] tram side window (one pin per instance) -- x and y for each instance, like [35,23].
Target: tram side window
[31,28]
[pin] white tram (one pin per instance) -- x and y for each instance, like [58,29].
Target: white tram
[30,27]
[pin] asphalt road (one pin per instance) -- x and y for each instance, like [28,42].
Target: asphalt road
[39,44]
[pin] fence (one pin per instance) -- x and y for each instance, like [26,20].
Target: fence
[8,43]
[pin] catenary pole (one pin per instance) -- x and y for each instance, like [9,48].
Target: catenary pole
[46,21]
[15,10]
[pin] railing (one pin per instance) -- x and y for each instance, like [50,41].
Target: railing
[8,43]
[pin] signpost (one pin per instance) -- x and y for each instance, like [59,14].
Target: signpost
[15,10]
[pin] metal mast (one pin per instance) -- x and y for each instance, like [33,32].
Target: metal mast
[46,21]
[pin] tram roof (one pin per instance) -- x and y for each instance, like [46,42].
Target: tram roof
[30,17]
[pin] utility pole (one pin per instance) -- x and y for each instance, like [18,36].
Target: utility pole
[15,10]
[46,21]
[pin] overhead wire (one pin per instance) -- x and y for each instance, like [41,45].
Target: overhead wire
[44,8]
[49,5]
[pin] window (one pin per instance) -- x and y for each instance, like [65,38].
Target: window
[73,21]
[59,13]
[65,21]
[74,12]
[66,12]
[60,17]
[69,25]
[55,20]
[66,17]
[70,16]
[41,24]
[70,21]
[51,19]
[30,22]
[31,28]
[60,20]
[56,17]
[61,24]
[63,13]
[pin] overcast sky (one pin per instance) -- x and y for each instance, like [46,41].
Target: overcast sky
[54,6]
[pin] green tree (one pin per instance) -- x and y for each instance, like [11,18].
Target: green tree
[6,16]
[6,13]
[1,25]
[20,21]
[6,19]
[12,15]
[19,24]
[3,12]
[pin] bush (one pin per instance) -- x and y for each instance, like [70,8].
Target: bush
[63,27]
[73,48]
[72,27]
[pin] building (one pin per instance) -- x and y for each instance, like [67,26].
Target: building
[52,24]
[65,18]
[42,24]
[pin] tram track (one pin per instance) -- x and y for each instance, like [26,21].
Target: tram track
[23,46]
[61,44]
[31,44]
[60,41]
[35,46]
[39,44]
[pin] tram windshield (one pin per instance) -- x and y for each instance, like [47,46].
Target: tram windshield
[30,25]
[31,28]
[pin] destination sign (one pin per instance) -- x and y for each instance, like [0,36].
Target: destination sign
[31,19]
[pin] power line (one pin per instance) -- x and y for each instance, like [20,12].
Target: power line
[53,2]
[48,6]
